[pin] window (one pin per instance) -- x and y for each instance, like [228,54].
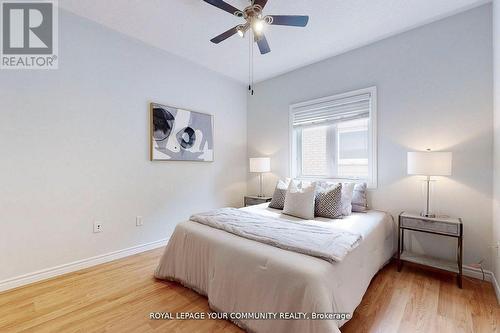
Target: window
[335,137]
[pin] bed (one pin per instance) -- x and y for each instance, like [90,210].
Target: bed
[242,275]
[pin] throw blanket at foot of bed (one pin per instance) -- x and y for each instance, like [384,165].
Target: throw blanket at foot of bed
[325,242]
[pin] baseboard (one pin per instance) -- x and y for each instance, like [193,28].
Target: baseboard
[77,265]
[494,282]
[476,273]
[488,276]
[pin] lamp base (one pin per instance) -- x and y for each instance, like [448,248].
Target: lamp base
[426,213]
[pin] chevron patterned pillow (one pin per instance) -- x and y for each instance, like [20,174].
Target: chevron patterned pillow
[278,200]
[328,202]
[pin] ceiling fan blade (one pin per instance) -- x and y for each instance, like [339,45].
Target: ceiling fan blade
[224,6]
[261,3]
[225,35]
[290,20]
[263,45]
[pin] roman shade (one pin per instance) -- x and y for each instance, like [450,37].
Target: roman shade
[332,110]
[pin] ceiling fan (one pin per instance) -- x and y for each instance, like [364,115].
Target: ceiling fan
[256,21]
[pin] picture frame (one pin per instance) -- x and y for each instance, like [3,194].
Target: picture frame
[178,134]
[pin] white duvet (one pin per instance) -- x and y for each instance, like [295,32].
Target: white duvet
[242,275]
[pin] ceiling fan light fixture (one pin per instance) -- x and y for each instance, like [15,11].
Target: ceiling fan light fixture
[255,22]
[241,32]
[258,26]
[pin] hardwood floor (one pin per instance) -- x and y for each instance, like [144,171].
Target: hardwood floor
[118,297]
[420,300]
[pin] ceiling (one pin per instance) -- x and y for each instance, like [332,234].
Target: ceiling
[185,27]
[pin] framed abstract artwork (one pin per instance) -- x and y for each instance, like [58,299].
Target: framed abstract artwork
[180,135]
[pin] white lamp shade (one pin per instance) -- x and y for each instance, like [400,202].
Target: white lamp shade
[260,164]
[429,163]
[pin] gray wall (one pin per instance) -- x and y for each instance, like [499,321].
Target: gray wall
[75,145]
[434,91]
[496,203]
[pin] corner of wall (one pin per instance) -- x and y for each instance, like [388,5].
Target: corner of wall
[496,149]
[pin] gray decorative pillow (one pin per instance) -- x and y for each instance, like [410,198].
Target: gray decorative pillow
[278,200]
[328,202]
[359,202]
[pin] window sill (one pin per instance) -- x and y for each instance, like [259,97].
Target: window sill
[370,185]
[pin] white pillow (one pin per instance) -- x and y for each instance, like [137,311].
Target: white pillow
[346,197]
[347,193]
[278,199]
[299,201]
[359,202]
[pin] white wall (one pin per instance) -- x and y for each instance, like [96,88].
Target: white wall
[496,180]
[434,91]
[75,145]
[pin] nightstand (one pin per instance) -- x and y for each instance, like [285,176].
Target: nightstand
[251,200]
[442,226]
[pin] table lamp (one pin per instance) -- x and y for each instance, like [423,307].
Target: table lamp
[429,163]
[260,165]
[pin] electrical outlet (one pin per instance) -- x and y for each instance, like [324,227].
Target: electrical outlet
[138,221]
[97,226]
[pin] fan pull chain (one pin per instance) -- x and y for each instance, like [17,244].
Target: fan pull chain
[253,83]
[250,62]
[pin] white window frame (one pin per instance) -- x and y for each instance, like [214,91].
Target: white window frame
[294,139]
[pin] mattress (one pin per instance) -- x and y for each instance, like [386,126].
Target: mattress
[239,275]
